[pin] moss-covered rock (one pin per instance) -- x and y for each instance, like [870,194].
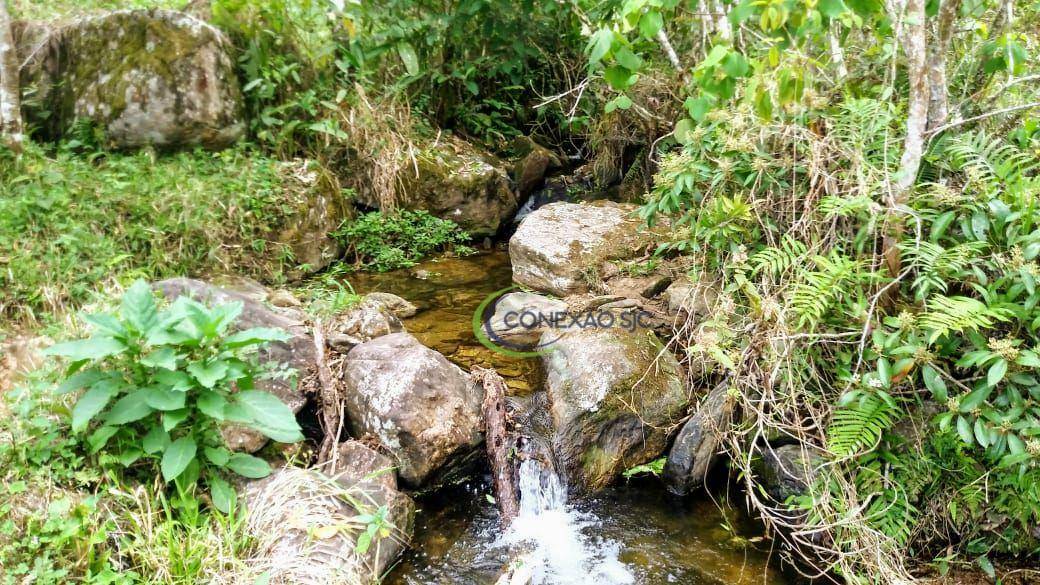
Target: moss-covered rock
[144,77]
[453,179]
[614,396]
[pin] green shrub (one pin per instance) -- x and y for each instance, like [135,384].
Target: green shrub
[388,241]
[160,382]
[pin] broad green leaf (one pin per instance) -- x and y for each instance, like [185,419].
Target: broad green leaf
[618,77]
[80,380]
[156,440]
[996,372]
[208,373]
[684,131]
[935,383]
[981,434]
[735,65]
[222,493]
[599,45]
[172,418]
[627,59]
[99,438]
[177,457]
[254,336]
[164,357]
[129,456]
[178,381]
[106,323]
[138,307]
[650,23]
[1028,358]
[408,57]
[975,398]
[93,348]
[832,8]
[130,408]
[964,430]
[162,398]
[248,466]
[715,56]
[217,456]
[212,404]
[91,403]
[1015,444]
[269,414]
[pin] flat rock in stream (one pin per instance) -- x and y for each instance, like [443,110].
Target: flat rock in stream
[614,396]
[558,248]
[420,406]
[296,353]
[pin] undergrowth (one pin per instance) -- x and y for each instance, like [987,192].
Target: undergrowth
[71,223]
[382,242]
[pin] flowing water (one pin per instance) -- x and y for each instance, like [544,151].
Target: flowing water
[635,532]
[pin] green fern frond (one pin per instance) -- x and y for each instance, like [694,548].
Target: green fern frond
[859,425]
[778,260]
[993,159]
[936,265]
[955,314]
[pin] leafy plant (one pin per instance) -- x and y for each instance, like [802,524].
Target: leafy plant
[384,242]
[159,382]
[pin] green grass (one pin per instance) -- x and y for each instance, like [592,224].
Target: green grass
[72,224]
[51,9]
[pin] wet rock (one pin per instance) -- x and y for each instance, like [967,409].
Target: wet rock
[305,526]
[296,353]
[368,320]
[696,447]
[532,162]
[786,470]
[613,395]
[397,306]
[519,319]
[144,77]
[364,465]
[557,248]
[420,406]
[456,180]
[310,213]
[694,298]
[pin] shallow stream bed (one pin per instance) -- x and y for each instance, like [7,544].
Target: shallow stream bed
[635,532]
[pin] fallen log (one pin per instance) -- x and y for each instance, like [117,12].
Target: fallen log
[499,442]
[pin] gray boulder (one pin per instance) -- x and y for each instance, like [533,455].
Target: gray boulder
[364,322]
[305,528]
[614,395]
[420,406]
[557,248]
[519,319]
[455,180]
[145,77]
[696,447]
[695,298]
[786,470]
[296,353]
[398,307]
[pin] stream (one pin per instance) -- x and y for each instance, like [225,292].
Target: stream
[635,532]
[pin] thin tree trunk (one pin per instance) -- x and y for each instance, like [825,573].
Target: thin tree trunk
[914,42]
[10,90]
[939,97]
[722,25]
[662,38]
[837,53]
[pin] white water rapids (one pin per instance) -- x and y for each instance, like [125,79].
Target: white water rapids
[557,549]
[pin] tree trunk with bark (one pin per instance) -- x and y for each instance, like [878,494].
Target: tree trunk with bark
[499,442]
[10,86]
[939,100]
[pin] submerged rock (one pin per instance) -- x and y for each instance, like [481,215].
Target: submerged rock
[144,77]
[455,180]
[397,306]
[296,353]
[420,406]
[558,248]
[696,447]
[306,524]
[614,396]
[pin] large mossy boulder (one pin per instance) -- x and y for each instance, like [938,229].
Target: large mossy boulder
[557,248]
[453,179]
[297,353]
[305,524]
[422,408]
[613,395]
[697,446]
[144,77]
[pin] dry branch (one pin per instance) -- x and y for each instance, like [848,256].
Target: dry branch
[499,442]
